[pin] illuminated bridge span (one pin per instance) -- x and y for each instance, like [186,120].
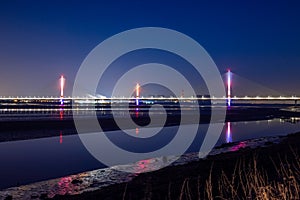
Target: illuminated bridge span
[257,98]
[92,99]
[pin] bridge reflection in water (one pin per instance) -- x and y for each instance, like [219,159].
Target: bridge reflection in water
[228,132]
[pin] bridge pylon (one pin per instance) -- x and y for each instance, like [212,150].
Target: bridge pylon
[62,81]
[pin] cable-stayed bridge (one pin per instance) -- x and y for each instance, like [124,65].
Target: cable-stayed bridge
[99,98]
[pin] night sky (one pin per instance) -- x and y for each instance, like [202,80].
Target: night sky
[39,40]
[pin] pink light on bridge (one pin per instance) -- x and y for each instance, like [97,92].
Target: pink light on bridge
[137,94]
[137,90]
[62,86]
[229,88]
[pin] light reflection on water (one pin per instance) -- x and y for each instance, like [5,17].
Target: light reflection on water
[60,137]
[39,159]
[228,133]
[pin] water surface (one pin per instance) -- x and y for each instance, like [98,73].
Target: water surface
[33,160]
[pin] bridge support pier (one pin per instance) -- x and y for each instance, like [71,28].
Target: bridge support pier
[296,102]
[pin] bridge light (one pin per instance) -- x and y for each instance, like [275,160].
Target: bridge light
[137,90]
[62,85]
[228,87]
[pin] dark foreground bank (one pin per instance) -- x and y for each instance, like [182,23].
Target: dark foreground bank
[261,173]
[271,170]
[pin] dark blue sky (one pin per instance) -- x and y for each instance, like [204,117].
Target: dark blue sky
[39,40]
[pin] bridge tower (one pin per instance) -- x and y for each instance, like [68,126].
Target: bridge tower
[62,81]
[137,94]
[229,79]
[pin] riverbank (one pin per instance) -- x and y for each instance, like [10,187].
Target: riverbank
[265,172]
[248,169]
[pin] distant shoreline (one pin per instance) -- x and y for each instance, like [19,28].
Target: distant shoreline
[13,130]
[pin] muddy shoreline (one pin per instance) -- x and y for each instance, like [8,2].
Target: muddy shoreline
[169,182]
